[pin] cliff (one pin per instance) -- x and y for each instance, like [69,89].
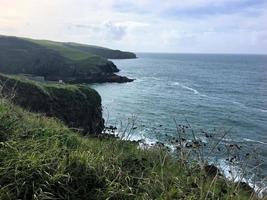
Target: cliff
[77,106]
[55,61]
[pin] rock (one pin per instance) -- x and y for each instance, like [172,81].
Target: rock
[98,78]
[212,170]
[244,186]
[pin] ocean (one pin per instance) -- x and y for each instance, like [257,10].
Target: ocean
[214,93]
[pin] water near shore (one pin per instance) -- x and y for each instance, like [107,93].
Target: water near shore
[209,91]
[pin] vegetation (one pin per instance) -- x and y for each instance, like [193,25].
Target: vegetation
[52,60]
[104,52]
[64,50]
[77,105]
[82,51]
[40,158]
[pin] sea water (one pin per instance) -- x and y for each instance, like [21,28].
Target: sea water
[208,91]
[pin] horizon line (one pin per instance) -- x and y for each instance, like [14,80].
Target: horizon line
[204,53]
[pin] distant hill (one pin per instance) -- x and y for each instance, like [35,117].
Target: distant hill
[55,61]
[71,49]
[101,51]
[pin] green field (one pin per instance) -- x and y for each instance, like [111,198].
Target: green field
[67,51]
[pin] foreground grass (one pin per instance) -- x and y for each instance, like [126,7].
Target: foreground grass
[40,158]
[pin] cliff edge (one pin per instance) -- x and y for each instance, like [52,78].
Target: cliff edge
[77,105]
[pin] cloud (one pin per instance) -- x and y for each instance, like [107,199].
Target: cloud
[114,31]
[189,8]
[143,25]
[111,30]
[207,8]
[107,30]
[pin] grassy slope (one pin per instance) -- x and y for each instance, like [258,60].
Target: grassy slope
[40,158]
[47,58]
[77,105]
[78,51]
[83,58]
[101,51]
[69,52]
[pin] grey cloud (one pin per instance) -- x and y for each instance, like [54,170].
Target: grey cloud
[117,32]
[107,30]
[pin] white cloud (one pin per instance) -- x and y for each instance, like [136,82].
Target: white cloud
[107,30]
[140,25]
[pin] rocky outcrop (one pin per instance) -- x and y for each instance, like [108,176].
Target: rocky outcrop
[78,106]
[97,78]
[212,170]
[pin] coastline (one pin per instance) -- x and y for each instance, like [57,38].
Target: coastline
[62,163]
[62,100]
[227,171]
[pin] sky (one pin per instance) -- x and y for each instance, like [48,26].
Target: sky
[182,26]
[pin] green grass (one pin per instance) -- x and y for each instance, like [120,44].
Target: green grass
[67,52]
[50,59]
[45,87]
[77,105]
[40,158]
[71,52]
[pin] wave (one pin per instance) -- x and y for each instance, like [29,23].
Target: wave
[263,110]
[230,171]
[247,107]
[186,87]
[256,141]
[241,105]
[234,173]
[191,89]
[155,78]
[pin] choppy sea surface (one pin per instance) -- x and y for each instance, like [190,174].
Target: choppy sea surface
[210,92]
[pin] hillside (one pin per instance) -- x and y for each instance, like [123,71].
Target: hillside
[76,105]
[101,51]
[54,61]
[40,158]
[78,51]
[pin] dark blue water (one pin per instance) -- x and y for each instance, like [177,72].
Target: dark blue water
[225,92]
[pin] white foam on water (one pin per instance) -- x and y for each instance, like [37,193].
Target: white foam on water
[247,107]
[176,83]
[186,87]
[256,141]
[230,171]
[190,89]
[202,139]
[155,78]
[234,173]
[239,104]
[263,110]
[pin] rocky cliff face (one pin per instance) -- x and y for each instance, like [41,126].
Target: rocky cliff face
[78,106]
